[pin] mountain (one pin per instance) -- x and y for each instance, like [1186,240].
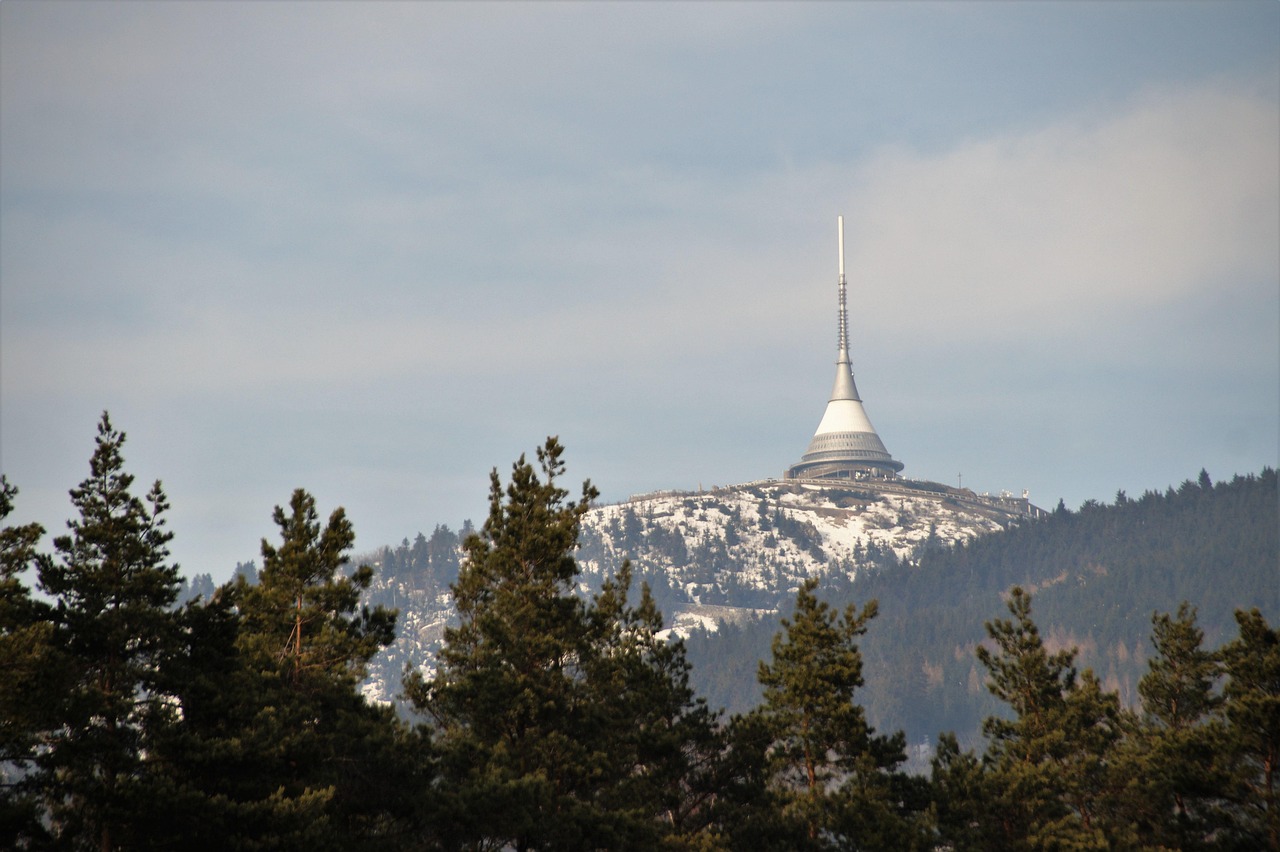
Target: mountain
[1097,576]
[730,553]
[726,556]
[724,566]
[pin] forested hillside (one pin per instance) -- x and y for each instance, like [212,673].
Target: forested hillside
[732,559]
[709,558]
[1098,574]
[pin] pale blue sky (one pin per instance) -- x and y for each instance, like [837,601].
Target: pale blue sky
[375,249]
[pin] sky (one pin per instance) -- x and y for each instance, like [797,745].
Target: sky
[376,250]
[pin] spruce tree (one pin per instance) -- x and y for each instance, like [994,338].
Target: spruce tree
[113,590]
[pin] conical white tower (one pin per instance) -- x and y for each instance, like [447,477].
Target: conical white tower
[846,445]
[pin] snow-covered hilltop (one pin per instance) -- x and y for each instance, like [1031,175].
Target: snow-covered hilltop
[711,556]
[750,546]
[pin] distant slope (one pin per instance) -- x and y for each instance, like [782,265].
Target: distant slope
[724,566]
[750,546]
[710,558]
[1097,575]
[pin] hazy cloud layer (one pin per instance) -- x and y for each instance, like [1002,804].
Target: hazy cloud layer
[375,249]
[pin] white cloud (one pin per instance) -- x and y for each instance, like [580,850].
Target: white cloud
[1055,231]
[1046,231]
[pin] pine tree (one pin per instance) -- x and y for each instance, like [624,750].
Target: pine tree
[113,589]
[560,724]
[664,744]
[961,799]
[1047,769]
[1178,691]
[1172,766]
[229,779]
[832,775]
[508,699]
[277,747]
[1251,702]
[30,675]
[303,612]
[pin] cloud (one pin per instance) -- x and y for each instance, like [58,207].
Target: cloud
[1014,237]
[1092,216]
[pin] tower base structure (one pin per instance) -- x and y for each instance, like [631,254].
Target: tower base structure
[845,455]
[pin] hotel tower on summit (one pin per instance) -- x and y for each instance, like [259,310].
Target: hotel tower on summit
[846,445]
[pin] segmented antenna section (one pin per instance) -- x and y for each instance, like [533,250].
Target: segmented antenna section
[844,313]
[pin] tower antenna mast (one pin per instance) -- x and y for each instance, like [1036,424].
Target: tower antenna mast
[844,314]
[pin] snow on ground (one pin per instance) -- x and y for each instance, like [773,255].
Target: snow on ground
[772,535]
[722,555]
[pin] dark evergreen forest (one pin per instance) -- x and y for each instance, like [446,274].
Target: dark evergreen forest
[553,720]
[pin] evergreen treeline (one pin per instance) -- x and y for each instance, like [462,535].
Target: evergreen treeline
[233,723]
[557,721]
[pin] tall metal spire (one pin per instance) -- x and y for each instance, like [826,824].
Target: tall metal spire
[844,313]
[846,444]
[845,387]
